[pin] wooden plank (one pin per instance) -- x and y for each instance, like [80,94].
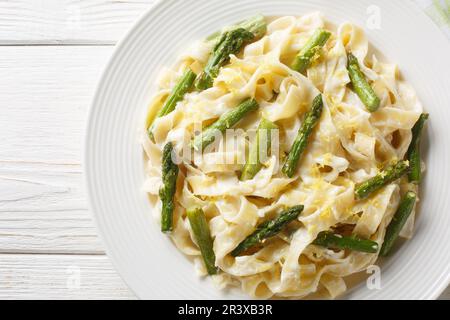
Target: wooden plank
[446,294]
[64,277]
[67,21]
[59,277]
[45,93]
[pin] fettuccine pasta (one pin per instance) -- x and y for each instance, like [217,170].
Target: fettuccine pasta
[348,146]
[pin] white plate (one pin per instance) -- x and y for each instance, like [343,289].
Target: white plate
[148,262]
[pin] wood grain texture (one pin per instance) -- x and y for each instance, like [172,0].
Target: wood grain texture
[45,93]
[43,210]
[445,295]
[67,21]
[59,277]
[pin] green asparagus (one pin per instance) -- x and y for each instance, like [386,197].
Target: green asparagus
[336,241]
[311,50]
[300,143]
[398,221]
[256,25]
[390,174]
[202,236]
[360,85]
[268,229]
[413,154]
[226,121]
[229,43]
[167,191]
[263,139]
[183,86]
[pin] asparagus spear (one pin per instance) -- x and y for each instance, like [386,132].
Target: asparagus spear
[226,121]
[202,236]
[256,25]
[268,229]
[183,86]
[263,138]
[311,120]
[361,86]
[390,174]
[229,43]
[413,154]
[311,50]
[397,223]
[167,191]
[331,240]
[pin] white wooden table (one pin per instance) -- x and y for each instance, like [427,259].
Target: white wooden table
[51,55]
